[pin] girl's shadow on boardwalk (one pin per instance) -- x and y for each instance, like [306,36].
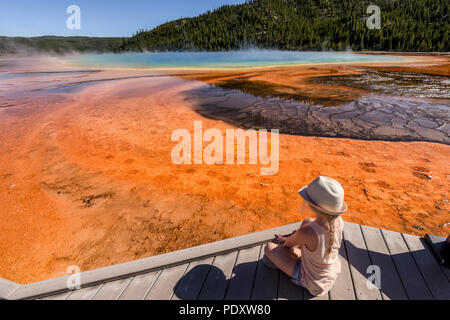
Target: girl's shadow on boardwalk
[250,280]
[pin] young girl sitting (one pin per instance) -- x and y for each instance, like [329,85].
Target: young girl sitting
[311,255]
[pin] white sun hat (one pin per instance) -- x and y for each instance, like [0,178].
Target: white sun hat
[326,195]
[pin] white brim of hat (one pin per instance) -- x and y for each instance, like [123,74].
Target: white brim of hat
[302,193]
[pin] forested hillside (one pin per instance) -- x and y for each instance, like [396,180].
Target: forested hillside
[406,25]
[58,45]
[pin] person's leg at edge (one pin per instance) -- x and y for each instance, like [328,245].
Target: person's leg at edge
[281,258]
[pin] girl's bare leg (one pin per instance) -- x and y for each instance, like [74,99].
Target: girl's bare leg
[281,257]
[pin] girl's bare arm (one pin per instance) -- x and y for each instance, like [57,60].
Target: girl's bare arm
[301,237]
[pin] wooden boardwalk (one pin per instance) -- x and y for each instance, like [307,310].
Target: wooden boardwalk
[232,270]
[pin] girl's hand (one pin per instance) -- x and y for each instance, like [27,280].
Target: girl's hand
[279,239]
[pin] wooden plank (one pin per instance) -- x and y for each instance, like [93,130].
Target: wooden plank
[241,284]
[189,286]
[446,271]
[7,288]
[164,286]
[132,268]
[391,284]
[62,296]
[431,271]
[412,279]
[359,260]
[287,290]
[308,296]
[219,277]
[436,245]
[85,293]
[343,287]
[140,286]
[112,290]
[266,281]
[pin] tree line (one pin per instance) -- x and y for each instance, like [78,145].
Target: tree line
[406,25]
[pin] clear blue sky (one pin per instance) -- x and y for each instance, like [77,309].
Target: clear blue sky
[98,17]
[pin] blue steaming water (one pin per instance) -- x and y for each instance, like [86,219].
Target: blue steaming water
[228,59]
